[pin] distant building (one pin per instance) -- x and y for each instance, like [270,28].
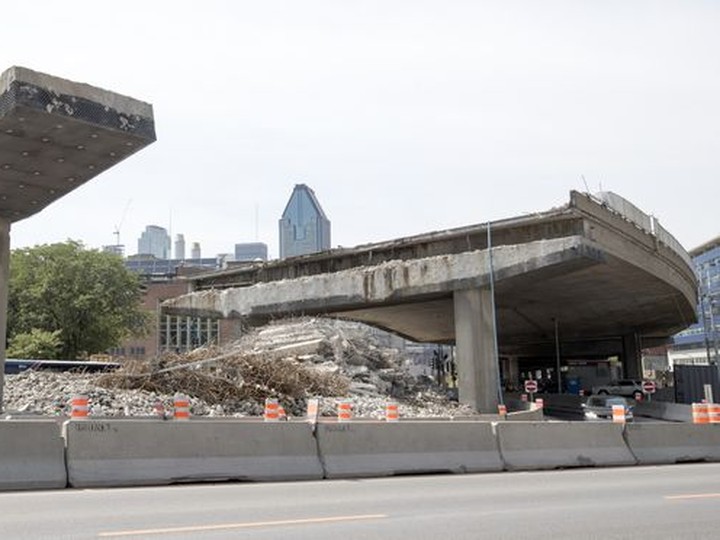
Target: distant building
[304,227]
[251,251]
[195,250]
[700,343]
[150,268]
[179,247]
[154,241]
[116,249]
[163,279]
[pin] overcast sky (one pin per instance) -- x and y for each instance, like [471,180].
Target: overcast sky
[403,116]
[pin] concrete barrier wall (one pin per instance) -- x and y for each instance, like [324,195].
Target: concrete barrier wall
[32,455]
[659,443]
[128,453]
[530,415]
[359,449]
[662,410]
[551,445]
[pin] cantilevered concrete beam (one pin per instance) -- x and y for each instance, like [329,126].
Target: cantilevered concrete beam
[55,135]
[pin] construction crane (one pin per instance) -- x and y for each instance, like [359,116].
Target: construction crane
[119,225]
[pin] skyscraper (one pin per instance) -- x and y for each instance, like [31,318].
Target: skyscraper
[154,241]
[195,250]
[304,228]
[179,247]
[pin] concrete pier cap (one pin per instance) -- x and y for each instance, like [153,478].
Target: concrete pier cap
[55,135]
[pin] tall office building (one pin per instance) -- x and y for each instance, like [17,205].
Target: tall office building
[179,247]
[154,241]
[195,250]
[700,344]
[304,227]
[251,251]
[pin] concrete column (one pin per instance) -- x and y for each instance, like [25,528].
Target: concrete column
[4,279]
[512,369]
[632,364]
[478,373]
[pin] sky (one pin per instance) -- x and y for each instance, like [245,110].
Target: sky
[403,116]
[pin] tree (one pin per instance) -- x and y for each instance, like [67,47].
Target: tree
[88,296]
[35,344]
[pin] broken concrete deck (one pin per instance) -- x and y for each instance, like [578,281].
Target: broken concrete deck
[588,266]
[55,135]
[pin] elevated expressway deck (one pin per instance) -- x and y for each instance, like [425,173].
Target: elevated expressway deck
[598,267]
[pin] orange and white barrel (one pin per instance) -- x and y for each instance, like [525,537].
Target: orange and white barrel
[79,406]
[181,406]
[391,412]
[272,410]
[700,413]
[502,409]
[539,403]
[714,413]
[344,411]
[618,414]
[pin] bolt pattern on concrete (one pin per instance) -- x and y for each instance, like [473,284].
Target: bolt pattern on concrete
[56,135]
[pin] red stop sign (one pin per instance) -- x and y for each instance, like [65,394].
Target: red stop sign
[531,386]
[648,387]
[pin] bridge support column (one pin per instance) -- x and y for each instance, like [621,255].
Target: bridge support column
[632,367]
[511,370]
[4,279]
[475,350]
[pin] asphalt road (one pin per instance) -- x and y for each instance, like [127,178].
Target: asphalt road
[681,501]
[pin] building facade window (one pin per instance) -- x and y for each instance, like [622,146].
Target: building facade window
[182,334]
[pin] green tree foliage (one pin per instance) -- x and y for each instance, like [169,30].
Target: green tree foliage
[35,344]
[88,296]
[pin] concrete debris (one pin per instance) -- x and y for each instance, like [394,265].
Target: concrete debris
[289,360]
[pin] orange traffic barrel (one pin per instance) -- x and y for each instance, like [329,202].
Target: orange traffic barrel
[618,414]
[181,405]
[714,413]
[344,410]
[700,413]
[502,410]
[79,406]
[391,412]
[539,403]
[272,410]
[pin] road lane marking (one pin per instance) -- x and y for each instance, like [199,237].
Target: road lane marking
[693,496]
[247,525]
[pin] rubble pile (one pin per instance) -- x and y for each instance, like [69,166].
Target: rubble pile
[289,360]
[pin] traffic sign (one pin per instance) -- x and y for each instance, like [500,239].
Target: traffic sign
[531,386]
[648,387]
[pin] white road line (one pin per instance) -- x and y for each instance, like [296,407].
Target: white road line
[247,525]
[693,496]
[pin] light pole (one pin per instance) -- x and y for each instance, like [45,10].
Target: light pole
[711,308]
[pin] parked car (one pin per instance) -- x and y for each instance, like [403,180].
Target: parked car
[600,407]
[623,387]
